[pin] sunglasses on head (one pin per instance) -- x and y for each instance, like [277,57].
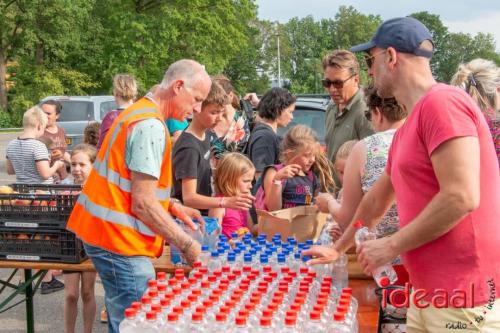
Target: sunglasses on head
[339,84]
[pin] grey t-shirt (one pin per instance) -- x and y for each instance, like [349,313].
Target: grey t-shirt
[263,147]
[23,154]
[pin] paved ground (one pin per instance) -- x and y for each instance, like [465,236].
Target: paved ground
[48,308]
[48,312]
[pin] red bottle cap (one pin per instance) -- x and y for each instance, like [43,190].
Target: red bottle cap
[220,317]
[208,303]
[136,305]
[196,292]
[358,224]
[177,290]
[342,309]
[212,278]
[161,276]
[153,293]
[152,283]
[162,288]
[179,272]
[318,307]
[344,302]
[237,272]
[267,312]
[192,298]
[225,309]
[197,316]
[327,279]
[201,309]
[205,284]
[218,273]
[295,307]
[304,270]
[185,285]
[197,264]
[172,282]
[165,302]
[226,269]
[267,269]
[290,320]
[178,309]
[247,269]
[243,312]
[130,313]
[192,280]
[172,316]
[315,315]
[151,315]
[285,269]
[265,321]
[146,299]
[338,316]
[384,281]
[156,307]
[241,320]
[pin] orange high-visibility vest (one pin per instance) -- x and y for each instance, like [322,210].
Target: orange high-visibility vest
[102,216]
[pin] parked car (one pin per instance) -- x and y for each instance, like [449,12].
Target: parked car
[309,110]
[78,111]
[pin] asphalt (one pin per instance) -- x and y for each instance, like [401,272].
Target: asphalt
[48,309]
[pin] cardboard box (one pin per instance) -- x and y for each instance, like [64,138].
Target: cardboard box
[302,222]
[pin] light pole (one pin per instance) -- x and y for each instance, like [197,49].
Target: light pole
[279,58]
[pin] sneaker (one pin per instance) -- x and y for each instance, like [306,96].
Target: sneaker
[104,316]
[52,286]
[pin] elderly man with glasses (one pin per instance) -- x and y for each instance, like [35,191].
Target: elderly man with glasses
[345,116]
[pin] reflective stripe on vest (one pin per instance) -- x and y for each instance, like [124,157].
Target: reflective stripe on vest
[114,177]
[113,216]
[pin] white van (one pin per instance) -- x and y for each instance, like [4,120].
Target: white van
[78,111]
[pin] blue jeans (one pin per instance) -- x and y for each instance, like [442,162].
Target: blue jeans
[124,280]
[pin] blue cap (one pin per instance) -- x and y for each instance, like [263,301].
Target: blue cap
[234,235]
[306,258]
[405,34]
[309,242]
[231,257]
[204,248]
[247,258]
[264,260]
[296,255]
[214,254]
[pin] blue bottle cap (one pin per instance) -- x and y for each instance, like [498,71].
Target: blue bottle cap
[278,236]
[214,254]
[306,258]
[204,248]
[262,242]
[309,242]
[264,260]
[281,259]
[247,258]
[231,257]
[237,250]
[234,235]
[296,255]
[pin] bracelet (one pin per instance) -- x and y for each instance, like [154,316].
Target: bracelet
[187,246]
[221,202]
[277,182]
[171,203]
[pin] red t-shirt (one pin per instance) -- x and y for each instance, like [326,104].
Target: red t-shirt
[468,253]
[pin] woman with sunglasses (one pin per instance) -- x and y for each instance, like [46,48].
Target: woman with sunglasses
[366,163]
[345,116]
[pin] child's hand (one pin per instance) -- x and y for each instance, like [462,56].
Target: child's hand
[56,155]
[287,172]
[322,200]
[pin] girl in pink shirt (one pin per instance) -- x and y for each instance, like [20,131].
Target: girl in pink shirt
[233,176]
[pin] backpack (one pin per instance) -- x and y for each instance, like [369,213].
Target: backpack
[260,195]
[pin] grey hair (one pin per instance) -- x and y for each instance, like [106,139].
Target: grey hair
[187,70]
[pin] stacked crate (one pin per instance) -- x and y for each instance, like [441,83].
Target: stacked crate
[33,224]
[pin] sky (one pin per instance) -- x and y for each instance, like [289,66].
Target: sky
[470,16]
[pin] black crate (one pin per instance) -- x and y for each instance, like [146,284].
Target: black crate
[41,245]
[28,209]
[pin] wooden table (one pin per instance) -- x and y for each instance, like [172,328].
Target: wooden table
[362,286]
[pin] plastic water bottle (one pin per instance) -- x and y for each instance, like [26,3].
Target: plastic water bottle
[384,275]
[241,325]
[196,325]
[340,272]
[129,324]
[204,256]
[290,324]
[150,325]
[214,264]
[339,325]
[314,324]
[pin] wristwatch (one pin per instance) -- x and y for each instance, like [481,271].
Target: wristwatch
[277,182]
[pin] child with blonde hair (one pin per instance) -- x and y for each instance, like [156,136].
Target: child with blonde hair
[80,283]
[233,176]
[303,173]
[340,160]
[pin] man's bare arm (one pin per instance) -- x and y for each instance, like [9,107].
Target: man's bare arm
[148,209]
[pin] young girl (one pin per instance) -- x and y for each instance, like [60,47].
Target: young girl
[340,160]
[295,181]
[233,176]
[82,158]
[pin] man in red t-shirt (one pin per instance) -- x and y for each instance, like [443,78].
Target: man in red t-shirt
[442,171]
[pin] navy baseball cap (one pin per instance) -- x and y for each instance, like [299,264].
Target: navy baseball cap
[405,34]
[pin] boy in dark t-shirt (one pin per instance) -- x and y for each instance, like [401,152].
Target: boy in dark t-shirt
[191,159]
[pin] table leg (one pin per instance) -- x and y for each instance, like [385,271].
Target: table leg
[30,323]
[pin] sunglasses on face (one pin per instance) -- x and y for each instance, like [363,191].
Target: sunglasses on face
[339,84]
[369,59]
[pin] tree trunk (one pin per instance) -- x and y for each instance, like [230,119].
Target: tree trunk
[39,54]
[3,83]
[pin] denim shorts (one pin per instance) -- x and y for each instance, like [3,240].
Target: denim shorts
[124,280]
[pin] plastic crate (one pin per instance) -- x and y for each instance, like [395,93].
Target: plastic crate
[28,209]
[41,245]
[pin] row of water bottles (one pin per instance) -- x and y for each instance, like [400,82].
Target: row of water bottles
[243,300]
[226,291]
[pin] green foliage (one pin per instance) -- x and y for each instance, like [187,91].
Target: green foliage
[5,120]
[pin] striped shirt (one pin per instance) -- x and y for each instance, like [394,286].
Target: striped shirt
[23,154]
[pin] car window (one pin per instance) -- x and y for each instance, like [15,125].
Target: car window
[76,111]
[310,117]
[106,107]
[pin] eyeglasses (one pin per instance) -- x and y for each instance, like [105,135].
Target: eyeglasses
[339,84]
[370,58]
